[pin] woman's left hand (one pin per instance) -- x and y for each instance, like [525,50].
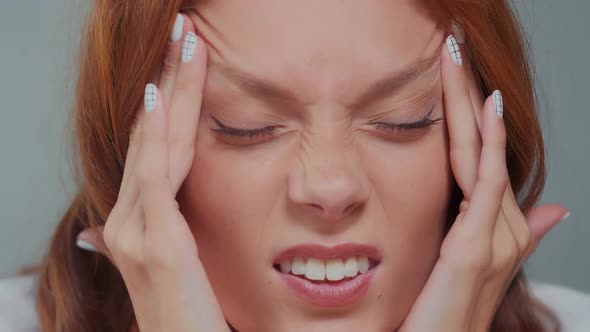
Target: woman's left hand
[490,238]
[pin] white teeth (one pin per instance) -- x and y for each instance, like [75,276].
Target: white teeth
[335,269]
[286,266]
[315,269]
[298,266]
[363,262]
[351,267]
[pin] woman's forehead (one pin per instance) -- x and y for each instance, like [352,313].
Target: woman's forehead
[318,45]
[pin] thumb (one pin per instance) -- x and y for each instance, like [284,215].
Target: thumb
[91,239]
[542,219]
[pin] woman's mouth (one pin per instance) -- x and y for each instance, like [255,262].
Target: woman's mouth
[328,277]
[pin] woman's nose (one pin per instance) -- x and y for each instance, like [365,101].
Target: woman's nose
[329,183]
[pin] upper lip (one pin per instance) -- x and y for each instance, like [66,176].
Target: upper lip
[318,251]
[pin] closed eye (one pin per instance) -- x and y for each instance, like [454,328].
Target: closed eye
[426,121]
[399,127]
[270,131]
[238,132]
[266,131]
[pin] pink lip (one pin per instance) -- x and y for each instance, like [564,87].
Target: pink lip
[345,250]
[332,294]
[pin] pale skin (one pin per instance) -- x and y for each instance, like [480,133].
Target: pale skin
[326,176]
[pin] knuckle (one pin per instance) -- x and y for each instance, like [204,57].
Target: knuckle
[169,66]
[524,237]
[506,258]
[109,232]
[470,259]
[126,251]
[162,259]
[171,60]
[475,261]
[495,179]
[147,174]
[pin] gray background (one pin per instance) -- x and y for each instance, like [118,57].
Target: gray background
[39,40]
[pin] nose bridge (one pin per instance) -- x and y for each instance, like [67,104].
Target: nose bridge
[329,179]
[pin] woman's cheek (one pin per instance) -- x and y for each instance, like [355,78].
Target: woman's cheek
[412,184]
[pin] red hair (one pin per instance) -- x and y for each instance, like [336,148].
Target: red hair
[125,39]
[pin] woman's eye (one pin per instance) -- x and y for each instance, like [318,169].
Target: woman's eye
[239,136]
[246,133]
[401,127]
[407,130]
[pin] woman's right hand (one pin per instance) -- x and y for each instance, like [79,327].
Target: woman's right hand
[145,235]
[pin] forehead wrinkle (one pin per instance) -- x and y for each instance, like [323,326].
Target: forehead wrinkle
[394,81]
[265,89]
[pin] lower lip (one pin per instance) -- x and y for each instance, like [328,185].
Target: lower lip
[336,294]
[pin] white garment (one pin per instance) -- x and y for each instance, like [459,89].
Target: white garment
[17,307]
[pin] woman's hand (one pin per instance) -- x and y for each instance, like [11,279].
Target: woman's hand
[146,236]
[491,238]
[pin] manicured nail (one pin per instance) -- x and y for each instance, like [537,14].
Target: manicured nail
[567,215]
[454,49]
[151,93]
[498,103]
[458,33]
[84,245]
[188,47]
[177,29]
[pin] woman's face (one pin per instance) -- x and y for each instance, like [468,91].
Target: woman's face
[324,74]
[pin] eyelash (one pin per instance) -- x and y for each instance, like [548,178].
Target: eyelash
[266,131]
[401,127]
[426,121]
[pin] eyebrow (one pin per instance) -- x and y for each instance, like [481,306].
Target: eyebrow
[267,90]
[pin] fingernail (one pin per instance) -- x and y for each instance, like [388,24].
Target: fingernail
[454,49]
[567,215]
[188,47]
[498,103]
[177,29]
[458,33]
[151,93]
[84,245]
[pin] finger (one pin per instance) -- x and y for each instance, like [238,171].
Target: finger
[172,59]
[128,188]
[153,179]
[166,79]
[465,141]
[541,220]
[473,86]
[477,99]
[492,178]
[186,105]
[511,214]
[92,240]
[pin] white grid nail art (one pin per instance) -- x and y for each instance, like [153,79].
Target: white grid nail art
[177,29]
[498,103]
[454,49]
[188,47]
[151,93]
